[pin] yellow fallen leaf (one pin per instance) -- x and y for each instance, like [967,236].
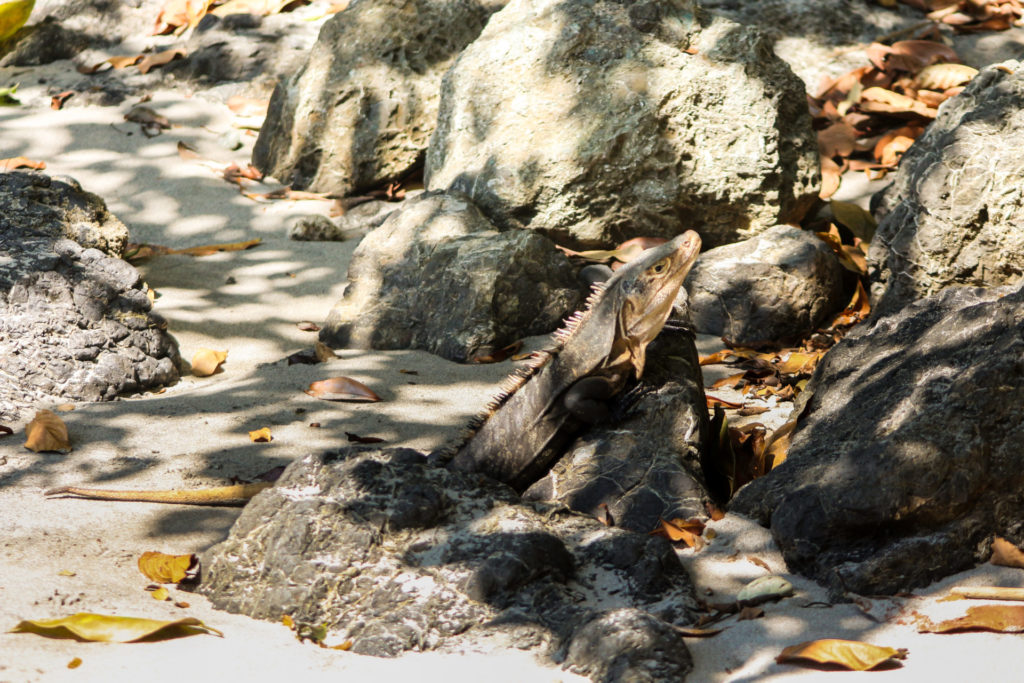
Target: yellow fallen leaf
[261,435]
[778,445]
[65,572]
[323,352]
[105,628]
[206,362]
[160,593]
[998,618]
[75,663]
[207,249]
[47,432]
[798,363]
[164,568]
[13,16]
[849,654]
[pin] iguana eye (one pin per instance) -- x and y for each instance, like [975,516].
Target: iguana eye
[659,267]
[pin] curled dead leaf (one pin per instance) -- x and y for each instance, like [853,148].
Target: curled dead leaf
[112,629]
[164,568]
[341,389]
[848,654]
[205,362]
[207,249]
[47,433]
[21,162]
[1006,554]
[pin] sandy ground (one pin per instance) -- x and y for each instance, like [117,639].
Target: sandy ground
[195,434]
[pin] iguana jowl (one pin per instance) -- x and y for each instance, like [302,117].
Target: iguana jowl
[529,424]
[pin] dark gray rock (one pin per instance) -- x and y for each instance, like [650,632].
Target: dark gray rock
[907,456]
[777,286]
[355,222]
[437,276]
[400,554]
[646,466]
[629,645]
[954,212]
[591,122]
[42,43]
[75,322]
[361,110]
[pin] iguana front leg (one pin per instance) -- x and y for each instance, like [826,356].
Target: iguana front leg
[587,399]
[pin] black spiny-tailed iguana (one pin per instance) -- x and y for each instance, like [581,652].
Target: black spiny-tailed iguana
[527,426]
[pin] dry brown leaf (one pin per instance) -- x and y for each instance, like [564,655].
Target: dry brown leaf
[883,101]
[750,612]
[147,116]
[831,177]
[207,249]
[342,389]
[206,362]
[261,435]
[1006,554]
[681,531]
[47,432]
[910,55]
[944,76]
[731,381]
[891,146]
[837,140]
[849,654]
[21,162]
[57,101]
[778,445]
[308,326]
[355,438]
[164,568]
[179,15]
[998,618]
[157,59]
[799,363]
[122,61]
[111,629]
[499,355]
[75,663]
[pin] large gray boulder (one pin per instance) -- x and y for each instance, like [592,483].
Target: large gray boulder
[437,276]
[397,553]
[361,110]
[954,214]
[907,457]
[777,286]
[75,321]
[597,121]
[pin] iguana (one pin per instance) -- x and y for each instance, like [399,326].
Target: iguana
[540,408]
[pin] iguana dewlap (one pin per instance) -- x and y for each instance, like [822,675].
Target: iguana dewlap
[527,427]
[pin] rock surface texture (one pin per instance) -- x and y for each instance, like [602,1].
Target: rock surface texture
[397,553]
[777,286]
[646,467]
[361,110]
[437,276]
[593,122]
[953,215]
[75,322]
[907,456]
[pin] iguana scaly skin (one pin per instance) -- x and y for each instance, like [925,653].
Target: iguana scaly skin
[238,494]
[527,426]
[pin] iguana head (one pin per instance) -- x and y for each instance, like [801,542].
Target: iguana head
[646,288]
